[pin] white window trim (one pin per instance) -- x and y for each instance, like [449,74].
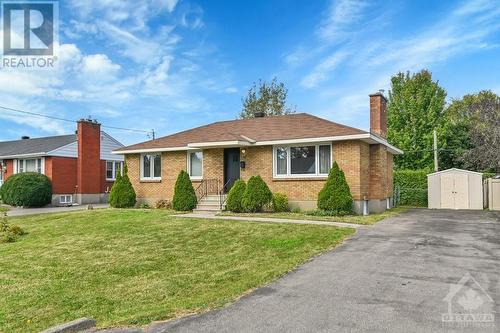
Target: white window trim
[152,177]
[114,170]
[189,152]
[23,160]
[65,196]
[289,174]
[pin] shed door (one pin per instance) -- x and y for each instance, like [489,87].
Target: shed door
[447,191]
[461,191]
[454,191]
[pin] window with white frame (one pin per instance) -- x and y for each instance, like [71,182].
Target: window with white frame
[65,199]
[302,160]
[30,165]
[112,168]
[195,164]
[151,166]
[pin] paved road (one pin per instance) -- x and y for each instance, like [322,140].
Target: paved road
[391,277]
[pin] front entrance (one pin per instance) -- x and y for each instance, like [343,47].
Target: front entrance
[231,167]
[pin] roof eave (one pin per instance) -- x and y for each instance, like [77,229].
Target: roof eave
[366,137]
[8,157]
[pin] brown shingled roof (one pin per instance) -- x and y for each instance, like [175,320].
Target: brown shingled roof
[294,126]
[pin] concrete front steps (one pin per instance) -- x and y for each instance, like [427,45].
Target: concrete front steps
[209,204]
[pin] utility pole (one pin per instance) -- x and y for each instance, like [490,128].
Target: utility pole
[153,132]
[436,166]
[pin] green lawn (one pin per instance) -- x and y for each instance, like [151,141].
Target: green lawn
[357,219]
[130,267]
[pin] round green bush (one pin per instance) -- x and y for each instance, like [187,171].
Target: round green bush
[28,189]
[335,195]
[235,196]
[122,193]
[280,203]
[257,194]
[184,195]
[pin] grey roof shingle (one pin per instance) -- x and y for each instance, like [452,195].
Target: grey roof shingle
[35,146]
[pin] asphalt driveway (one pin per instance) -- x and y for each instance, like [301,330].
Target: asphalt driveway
[391,277]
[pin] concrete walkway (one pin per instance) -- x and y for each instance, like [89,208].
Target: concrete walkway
[18,211]
[268,220]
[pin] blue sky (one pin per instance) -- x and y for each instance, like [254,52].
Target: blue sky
[171,65]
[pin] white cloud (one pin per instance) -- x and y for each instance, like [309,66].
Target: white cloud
[322,71]
[231,90]
[99,65]
[341,15]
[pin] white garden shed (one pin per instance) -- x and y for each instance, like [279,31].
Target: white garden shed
[455,189]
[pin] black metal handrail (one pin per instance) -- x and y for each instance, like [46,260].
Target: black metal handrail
[207,186]
[222,200]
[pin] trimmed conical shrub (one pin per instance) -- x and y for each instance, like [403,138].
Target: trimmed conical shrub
[336,195]
[235,196]
[184,195]
[122,193]
[257,194]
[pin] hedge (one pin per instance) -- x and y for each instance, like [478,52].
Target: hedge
[412,186]
[280,203]
[28,189]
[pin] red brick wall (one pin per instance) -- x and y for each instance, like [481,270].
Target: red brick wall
[62,172]
[89,158]
[378,114]
[10,169]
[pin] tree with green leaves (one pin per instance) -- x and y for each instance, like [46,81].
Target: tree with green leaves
[269,98]
[415,109]
[479,116]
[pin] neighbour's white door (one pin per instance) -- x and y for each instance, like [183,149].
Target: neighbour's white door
[454,191]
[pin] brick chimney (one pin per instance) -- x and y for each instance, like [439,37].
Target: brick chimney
[378,114]
[89,157]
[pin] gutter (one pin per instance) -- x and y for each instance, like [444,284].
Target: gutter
[366,137]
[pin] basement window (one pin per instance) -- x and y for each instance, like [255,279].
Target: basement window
[302,161]
[66,199]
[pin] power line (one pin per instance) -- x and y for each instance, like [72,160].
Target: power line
[74,121]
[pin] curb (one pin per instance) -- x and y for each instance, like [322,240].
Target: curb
[74,326]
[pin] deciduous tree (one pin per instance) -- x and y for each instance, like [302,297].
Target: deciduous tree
[269,98]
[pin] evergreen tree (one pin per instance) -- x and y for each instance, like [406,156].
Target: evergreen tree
[336,196]
[184,195]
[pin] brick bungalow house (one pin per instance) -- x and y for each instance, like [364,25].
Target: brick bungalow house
[80,166]
[292,153]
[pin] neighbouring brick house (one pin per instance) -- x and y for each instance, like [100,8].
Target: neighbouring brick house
[292,153]
[80,166]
